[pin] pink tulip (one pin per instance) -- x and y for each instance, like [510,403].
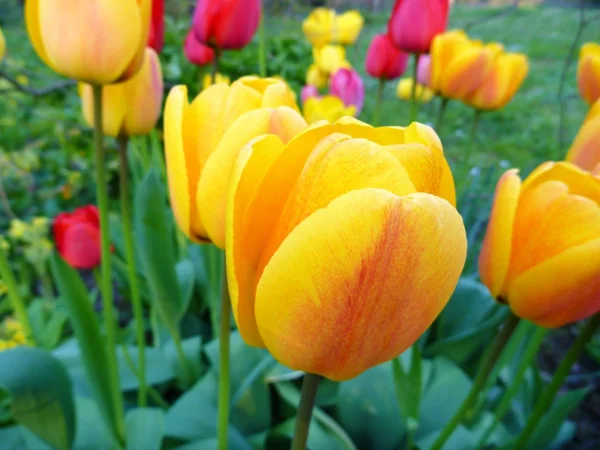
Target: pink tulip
[348,85]
[424,70]
[195,52]
[308,91]
[384,61]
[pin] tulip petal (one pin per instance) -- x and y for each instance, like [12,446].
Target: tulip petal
[585,151]
[357,282]
[588,72]
[466,73]
[114,107]
[561,290]
[444,49]
[494,258]
[32,22]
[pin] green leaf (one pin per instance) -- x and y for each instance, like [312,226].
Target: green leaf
[157,250]
[12,438]
[41,392]
[192,349]
[461,439]
[87,332]
[408,386]
[234,442]
[319,438]
[369,411]
[145,428]
[186,279]
[47,322]
[92,433]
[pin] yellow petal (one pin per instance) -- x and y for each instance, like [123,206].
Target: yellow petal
[588,72]
[135,64]
[337,313]
[329,58]
[585,151]
[494,258]
[214,181]
[114,107]
[2,45]
[444,48]
[279,95]
[318,26]
[561,290]
[329,108]
[347,26]
[32,22]
[316,77]
[466,72]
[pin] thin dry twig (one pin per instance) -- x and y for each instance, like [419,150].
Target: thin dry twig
[32,91]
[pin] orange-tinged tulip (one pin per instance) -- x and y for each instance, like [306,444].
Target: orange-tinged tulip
[2,45]
[328,107]
[202,140]
[97,42]
[502,82]
[342,245]
[541,253]
[588,72]
[130,108]
[585,150]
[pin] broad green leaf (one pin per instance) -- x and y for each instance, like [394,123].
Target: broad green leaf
[192,349]
[461,439]
[92,433]
[145,428]
[234,442]
[41,394]
[157,251]
[319,438]
[407,383]
[87,332]
[369,411]
[47,321]
[12,438]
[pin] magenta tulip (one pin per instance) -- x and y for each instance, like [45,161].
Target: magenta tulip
[348,86]
[414,23]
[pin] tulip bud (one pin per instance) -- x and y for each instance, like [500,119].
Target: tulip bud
[585,150]
[130,108]
[77,237]
[354,248]
[99,42]
[384,61]
[156,38]
[227,25]
[308,91]
[588,72]
[202,140]
[195,52]
[541,252]
[414,23]
[328,107]
[348,86]
[404,91]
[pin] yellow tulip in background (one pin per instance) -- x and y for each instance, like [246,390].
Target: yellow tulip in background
[588,72]
[97,42]
[317,77]
[2,45]
[323,26]
[219,78]
[203,138]
[404,91]
[328,107]
[585,150]
[541,253]
[330,58]
[343,245]
[348,27]
[130,108]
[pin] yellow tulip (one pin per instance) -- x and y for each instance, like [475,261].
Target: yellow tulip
[97,42]
[130,108]
[203,138]
[330,58]
[588,72]
[316,77]
[318,26]
[219,78]
[404,91]
[347,27]
[329,108]
[502,82]
[342,245]
[541,253]
[2,45]
[585,150]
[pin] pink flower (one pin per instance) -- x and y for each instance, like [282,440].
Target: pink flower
[414,23]
[195,52]
[309,91]
[384,60]
[348,86]
[424,70]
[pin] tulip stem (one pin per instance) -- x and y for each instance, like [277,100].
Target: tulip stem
[215,65]
[532,347]
[487,364]
[413,91]
[304,414]
[472,139]
[17,302]
[224,383]
[380,88]
[549,394]
[136,301]
[441,113]
[107,292]
[262,48]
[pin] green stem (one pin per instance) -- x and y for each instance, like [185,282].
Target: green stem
[262,48]
[215,65]
[441,113]
[380,88]
[487,364]
[304,414]
[472,138]
[530,352]
[17,302]
[136,300]
[154,394]
[107,292]
[413,91]
[549,394]
[188,374]
[224,382]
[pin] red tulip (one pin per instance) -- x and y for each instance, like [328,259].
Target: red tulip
[77,237]
[226,24]
[414,23]
[156,38]
[195,52]
[384,60]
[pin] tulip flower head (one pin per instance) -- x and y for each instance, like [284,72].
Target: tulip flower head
[96,42]
[330,58]
[585,150]
[156,38]
[219,78]
[414,23]
[203,138]
[348,86]
[541,252]
[323,26]
[2,45]
[316,77]
[385,61]
[341,250]
[130,108]
[424,70]
[347,27]
[329,108]
[404,91]
[226,24]
[77,237]
[308,91]
[196,52]
[588,72]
